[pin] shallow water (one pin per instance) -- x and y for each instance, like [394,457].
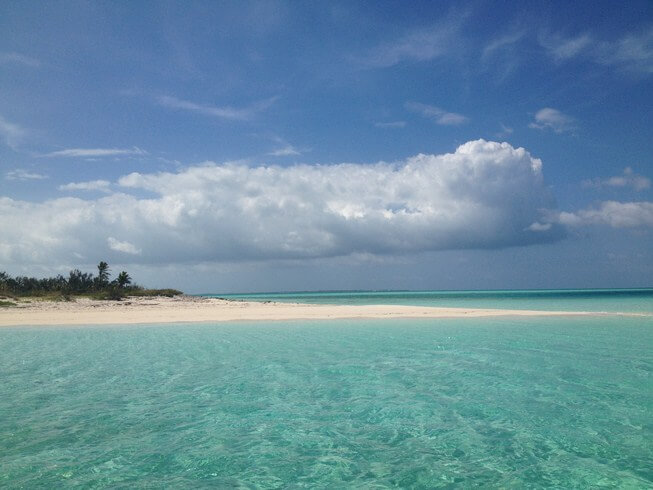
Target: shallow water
[563,402]
[623,300]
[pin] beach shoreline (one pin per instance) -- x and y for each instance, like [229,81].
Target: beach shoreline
[194,309]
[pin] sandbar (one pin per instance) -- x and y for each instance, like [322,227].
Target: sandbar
[193,309]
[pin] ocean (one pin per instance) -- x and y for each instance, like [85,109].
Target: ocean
[563,402]
[594,300]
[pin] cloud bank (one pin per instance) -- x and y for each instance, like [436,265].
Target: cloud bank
[484,195]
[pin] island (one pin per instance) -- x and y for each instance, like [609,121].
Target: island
[85,299]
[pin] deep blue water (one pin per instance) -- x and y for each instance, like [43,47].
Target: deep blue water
[611,300]
[450,403]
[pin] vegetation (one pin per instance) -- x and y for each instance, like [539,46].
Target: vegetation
[77,283]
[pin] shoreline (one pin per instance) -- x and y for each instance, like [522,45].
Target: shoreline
[194,309]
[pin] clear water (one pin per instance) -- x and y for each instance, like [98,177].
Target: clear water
[512,403]
[609,300]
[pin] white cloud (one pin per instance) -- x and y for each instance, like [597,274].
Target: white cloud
[485,195]
[92,185]
[563,48]
[537,226]
[243,113]
[286,151]
[632,52]
[440,116]
[503,43]
[505,131]
[502,55]
[420,45]
[628,179]
[21,174]
[124,247]
[12,134]
[284,148]
[391,124]
[548,118]
[97,152]
[611,213]
[21,59]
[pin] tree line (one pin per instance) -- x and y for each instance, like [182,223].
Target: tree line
[77,282]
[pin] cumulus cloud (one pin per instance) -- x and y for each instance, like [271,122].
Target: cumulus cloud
[243,113]
[91,185]
[611,213]
[627,179]
[548,118]
[440,116]
[484,195]
[21,174]
[97,152]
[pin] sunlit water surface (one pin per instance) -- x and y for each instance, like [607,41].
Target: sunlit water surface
[562,402]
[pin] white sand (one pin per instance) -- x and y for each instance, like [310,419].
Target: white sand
[184,309]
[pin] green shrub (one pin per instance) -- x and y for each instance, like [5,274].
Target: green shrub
[169,293]
[78,284]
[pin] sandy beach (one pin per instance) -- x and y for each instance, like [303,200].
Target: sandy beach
[191,309]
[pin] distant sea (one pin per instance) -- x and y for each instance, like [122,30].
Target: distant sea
[594,300]
[561,402]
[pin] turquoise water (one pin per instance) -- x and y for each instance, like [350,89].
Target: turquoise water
[512,403]
[610,300]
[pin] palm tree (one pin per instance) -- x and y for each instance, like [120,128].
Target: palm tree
[124,279]
[102,274]
[80,282]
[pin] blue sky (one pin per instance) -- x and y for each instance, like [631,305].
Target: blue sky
[248,146]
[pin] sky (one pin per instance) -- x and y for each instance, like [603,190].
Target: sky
[285,146]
